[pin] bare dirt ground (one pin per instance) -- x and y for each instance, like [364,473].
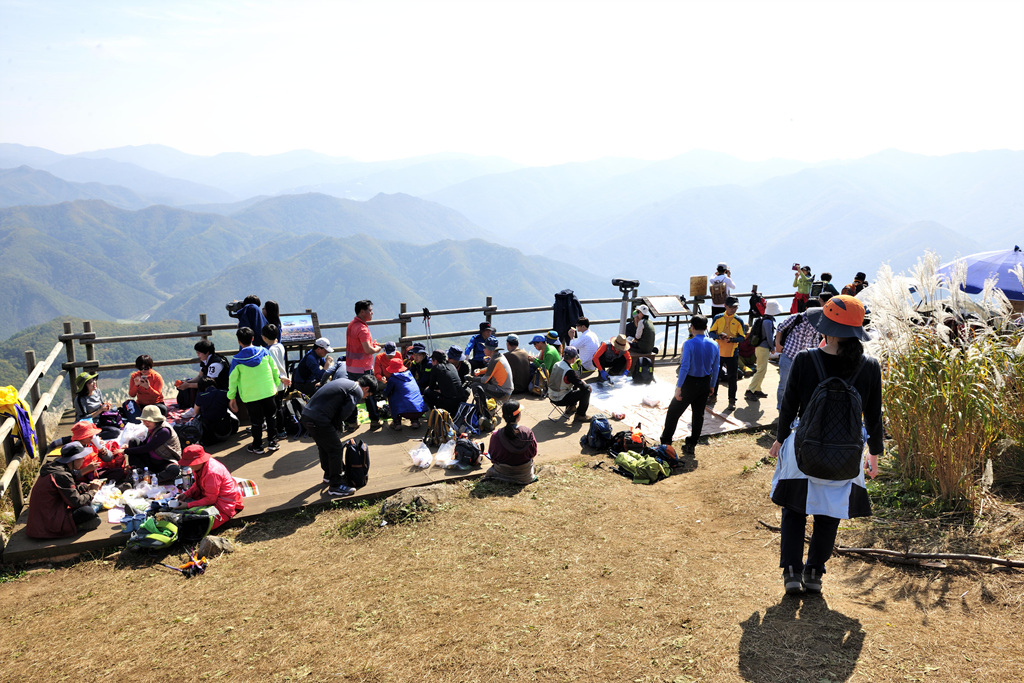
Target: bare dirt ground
[582,576]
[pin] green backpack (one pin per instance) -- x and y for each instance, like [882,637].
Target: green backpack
[154,534]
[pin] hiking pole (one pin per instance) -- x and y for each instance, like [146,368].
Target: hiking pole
[426,325]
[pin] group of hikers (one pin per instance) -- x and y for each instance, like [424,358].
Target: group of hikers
[820,340]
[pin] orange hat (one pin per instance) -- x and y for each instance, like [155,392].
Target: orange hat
[84,430]
[841,316]
[193,455]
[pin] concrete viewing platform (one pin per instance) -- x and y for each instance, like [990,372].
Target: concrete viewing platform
[291,478]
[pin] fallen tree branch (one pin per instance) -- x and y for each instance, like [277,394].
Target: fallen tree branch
[912,558]
[882,552]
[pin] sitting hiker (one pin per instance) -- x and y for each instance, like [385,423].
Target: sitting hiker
[419,366]
[403,396]
[496,379]
[586,343]
[58,506]
[446,390]
[253,378]
[100,461]
[213,485]
[512,449]
[89,401]
[381,361]
[309,373]
[566,389]
[213,371]
[612,358]
[146,385]
[519,361]
[326,415]
[475,347]
[250,314]
[461,366]
[211,409]
[159,451]
[746,359]
[545,346]
[640,334]
[641,329]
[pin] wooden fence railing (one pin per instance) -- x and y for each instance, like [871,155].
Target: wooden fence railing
[10,483]
[667,350]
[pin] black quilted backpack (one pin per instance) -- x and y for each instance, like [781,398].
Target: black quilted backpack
[829,440]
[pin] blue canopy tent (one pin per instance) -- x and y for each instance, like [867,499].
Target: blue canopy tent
[987,264]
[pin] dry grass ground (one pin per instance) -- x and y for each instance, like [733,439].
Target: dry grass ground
[582,576]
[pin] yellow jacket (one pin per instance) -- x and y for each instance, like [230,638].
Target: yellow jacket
[723,329]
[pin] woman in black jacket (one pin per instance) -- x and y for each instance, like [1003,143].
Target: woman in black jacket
[841,322]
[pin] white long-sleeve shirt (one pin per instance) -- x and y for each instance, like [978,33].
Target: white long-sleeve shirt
[587,344]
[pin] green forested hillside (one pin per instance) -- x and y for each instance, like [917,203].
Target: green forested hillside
[329,275]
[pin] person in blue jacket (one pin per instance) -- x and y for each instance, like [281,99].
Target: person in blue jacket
[403,395]
[250,315]
[475,347]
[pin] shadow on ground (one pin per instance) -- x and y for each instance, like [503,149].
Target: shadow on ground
[800,639]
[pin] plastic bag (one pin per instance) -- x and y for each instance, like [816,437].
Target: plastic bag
[421,456]
[446,454]
[132,431]
[651,401]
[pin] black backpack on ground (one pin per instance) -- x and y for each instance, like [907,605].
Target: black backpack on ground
[644,371]
[357,463]
[215,431]
[829,440]
[190,433]
[467,419]
[599,436]
[468,452]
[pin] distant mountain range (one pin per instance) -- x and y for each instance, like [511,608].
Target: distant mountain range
[125,232]
[92,260]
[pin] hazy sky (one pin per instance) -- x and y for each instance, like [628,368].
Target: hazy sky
[538,82]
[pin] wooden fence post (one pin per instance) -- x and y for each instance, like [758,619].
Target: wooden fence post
[202,326]
[69,353]
[487,314]
[90,349]
[403,327]
[33,392]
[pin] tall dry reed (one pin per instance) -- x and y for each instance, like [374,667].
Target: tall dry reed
[949,365]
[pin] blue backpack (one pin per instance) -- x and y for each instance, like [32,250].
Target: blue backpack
[599,436]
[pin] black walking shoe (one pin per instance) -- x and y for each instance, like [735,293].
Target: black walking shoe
[811,579]
[792,581]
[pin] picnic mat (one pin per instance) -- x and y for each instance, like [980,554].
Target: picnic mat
[629,399]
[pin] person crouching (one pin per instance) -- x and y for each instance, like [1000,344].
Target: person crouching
[213,485]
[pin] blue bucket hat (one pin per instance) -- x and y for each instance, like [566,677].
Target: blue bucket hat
[455,353]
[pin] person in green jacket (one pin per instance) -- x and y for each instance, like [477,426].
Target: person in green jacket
[549,354]
[253,379]
[802,281]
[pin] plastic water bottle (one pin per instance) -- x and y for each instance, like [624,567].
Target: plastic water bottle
[145,475]
[135,476]
[186,476]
